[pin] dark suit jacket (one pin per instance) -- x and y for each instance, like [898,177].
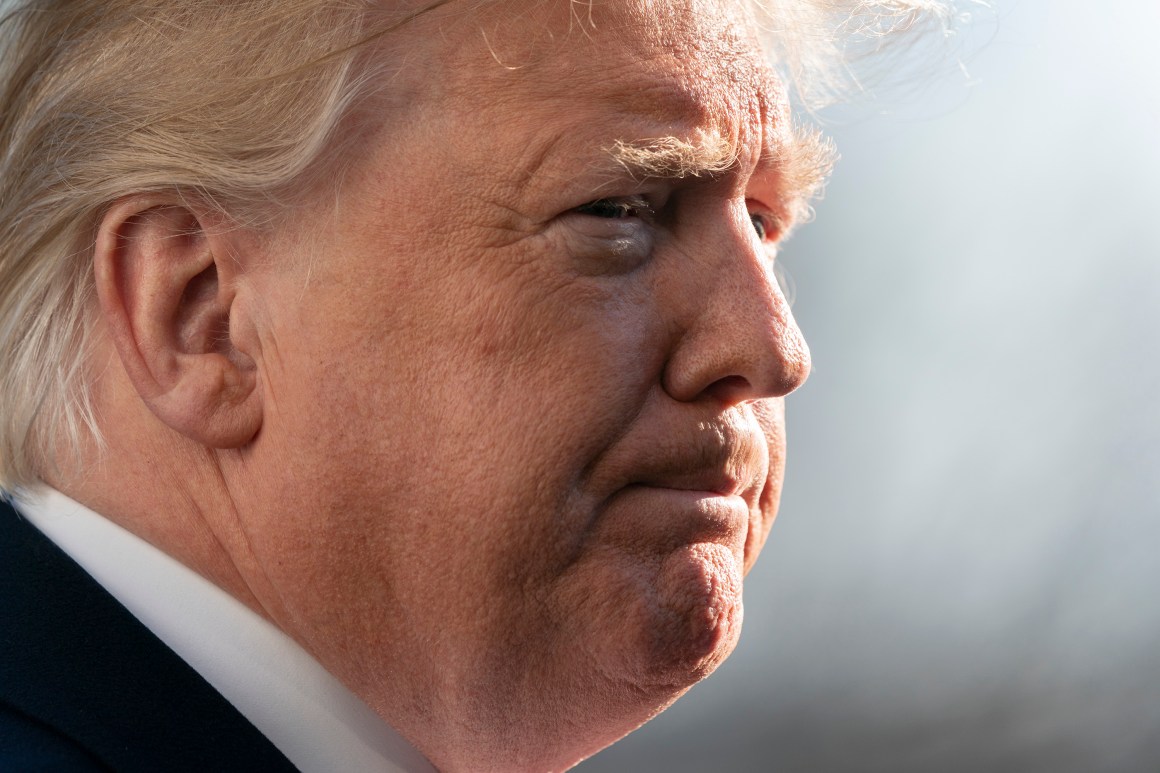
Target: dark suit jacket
[84,686]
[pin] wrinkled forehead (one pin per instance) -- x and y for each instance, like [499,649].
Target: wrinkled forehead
[692,63]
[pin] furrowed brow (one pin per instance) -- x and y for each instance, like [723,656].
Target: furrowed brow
[674,158]
[804,163]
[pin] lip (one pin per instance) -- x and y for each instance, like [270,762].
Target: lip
[681,478]
[724,454]
[661,517]
[706,481]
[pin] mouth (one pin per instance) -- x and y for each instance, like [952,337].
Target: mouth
[652,517]
[725,455]
[719,482]
[684,482]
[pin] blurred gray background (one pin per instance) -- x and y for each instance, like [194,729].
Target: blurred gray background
[965,571]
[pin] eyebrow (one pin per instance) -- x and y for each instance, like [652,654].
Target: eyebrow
[674,158]
[803,161]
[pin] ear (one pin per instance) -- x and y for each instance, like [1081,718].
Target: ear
[165,282]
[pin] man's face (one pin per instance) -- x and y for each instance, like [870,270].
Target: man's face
[523,425]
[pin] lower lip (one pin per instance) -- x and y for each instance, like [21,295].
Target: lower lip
[666,516]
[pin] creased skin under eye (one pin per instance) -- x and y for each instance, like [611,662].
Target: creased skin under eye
[611,236]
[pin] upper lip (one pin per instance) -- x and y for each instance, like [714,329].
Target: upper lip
[721,456]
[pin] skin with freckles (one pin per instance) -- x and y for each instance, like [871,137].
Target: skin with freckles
[501,429]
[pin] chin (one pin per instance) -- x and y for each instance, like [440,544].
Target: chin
[682,619]
[697,622]
[673,636]
[632,636]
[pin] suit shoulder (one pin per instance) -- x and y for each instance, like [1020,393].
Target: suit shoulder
[30,745]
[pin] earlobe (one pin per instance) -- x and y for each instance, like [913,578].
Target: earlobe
[166,282]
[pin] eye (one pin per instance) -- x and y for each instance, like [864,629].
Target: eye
[760,225]
[611,236]
[617,209]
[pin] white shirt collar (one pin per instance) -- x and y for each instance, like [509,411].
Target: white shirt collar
[310,716]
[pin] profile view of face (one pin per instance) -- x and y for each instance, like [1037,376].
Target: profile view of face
[524,409]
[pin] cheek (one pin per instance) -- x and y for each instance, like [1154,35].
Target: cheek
[486,395]
[542,382]
[567,359]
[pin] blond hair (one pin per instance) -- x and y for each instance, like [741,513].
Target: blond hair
[237,102]
[234,101]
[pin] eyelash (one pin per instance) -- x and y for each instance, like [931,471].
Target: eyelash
[637,206]
[617,209]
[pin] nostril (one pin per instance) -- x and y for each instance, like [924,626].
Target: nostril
[730,389]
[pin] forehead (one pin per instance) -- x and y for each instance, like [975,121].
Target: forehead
[690,68]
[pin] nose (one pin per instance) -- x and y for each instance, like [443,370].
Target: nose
[738,340]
